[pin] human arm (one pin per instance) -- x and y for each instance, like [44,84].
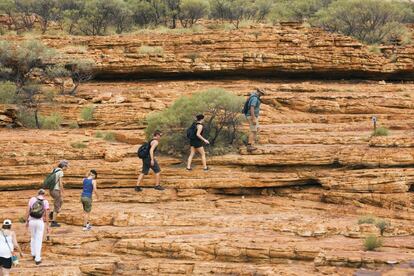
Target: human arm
[199,130]
[95,189]
[154,145]
[46,217]
[27,215]
[16,244]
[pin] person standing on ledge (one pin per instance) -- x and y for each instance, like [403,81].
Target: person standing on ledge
[149,162]
[89,187]
[251,111]
[57,192]
[195,134]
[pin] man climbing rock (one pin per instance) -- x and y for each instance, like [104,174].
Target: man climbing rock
[147,153]
[251,111]
[57,192]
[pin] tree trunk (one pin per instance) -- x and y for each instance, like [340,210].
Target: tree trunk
[37,118]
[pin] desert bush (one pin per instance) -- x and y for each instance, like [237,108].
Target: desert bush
[367,220]
[8,93]
[381,131]
[382,225]
[99,134]
[78,145]
[374,49]
[223,118]
[151,50]
[26,118]
[87,113]
[296,10]
[191,11]
[372,242]
[109,136]
[52,121]
[73,125]
[371,21]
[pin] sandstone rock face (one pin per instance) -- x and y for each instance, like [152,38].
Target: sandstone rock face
[274,51]
[289,208]
[8,116]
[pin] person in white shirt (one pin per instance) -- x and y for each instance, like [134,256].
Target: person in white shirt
[37,214]
[8,243]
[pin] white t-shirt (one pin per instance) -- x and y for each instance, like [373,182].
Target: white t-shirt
[45,205]
[59,175]
[5,251]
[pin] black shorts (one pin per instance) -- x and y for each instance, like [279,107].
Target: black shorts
[146,166]
[196,143]
[6,262]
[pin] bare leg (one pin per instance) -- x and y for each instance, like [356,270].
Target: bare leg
[157,179]
[54,215]
[190,158]
[203,157]
[140,177]
[6,272]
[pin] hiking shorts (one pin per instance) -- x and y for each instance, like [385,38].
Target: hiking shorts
[196,143]
[146,166]
[87,204]
[57,200]
[6,263]
[253,127]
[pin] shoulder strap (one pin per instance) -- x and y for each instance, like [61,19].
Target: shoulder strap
[11,252]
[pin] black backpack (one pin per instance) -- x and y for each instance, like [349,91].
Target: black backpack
[143,150]
[192,131]
[38,209]
[50,180]
[246,106]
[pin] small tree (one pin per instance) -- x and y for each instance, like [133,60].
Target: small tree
[191,11]
[223,118]
[81,72]
[371,21]
[22,59]
[48,11]
[58,73]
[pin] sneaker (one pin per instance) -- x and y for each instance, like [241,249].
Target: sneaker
[138,189]
[38,263]
[206,169]
[54,224]
[251,148]
[159,188]
[87,227]
[189,169]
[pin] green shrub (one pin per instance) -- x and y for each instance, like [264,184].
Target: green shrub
[374,49]
[51,122]
[87,113]
[381,131]
[382,225]
[223,118]
[73,125]
[26,118]
[78,145]
[49,95]
[192,56]
[366,220]
[109,136]
[150,50]
[99,134]
[8,93]
[371,242]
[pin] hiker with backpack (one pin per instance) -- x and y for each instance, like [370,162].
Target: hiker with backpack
[147,153]
[195,134]
[36,216]
[8,242]
[251,110]
[89,187]
[54,182]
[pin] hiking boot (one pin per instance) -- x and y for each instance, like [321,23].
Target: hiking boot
[206,169]
[54,224]
[189,169]
[138,189]
[38,263]
[159,188]
[51,215]
[251,148]
[87,227]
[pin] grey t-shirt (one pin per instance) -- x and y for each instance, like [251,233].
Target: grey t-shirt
[255,102]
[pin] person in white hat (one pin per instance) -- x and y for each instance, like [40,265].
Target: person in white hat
[8,243]
[37,213]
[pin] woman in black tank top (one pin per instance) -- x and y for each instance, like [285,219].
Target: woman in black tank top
[197,143]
